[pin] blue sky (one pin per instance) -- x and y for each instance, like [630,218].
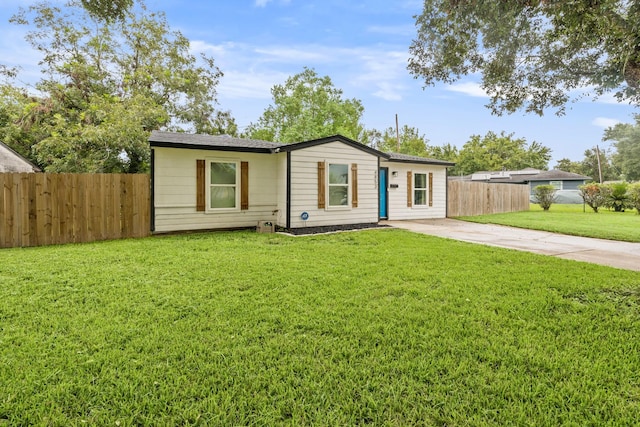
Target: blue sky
[363,47]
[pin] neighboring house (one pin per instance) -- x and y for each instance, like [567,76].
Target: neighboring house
[221,182]
[10,161]
[566,183]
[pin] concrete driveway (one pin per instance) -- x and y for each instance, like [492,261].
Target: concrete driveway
[598,251]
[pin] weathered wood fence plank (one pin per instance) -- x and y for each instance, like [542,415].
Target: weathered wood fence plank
[44,209]
[481,198]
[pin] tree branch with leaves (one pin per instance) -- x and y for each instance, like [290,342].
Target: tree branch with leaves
[111,73]
[531,53]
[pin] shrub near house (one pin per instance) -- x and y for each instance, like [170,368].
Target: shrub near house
[617,196]
[594,195]
[544,195]
[634,196]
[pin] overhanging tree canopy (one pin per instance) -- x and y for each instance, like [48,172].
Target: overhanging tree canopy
[106,83]
[494,152]
[626,139]
[306,107]
[531,53]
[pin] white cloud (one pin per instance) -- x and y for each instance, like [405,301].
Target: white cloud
[293,55]
[380,70]
[249,84]
[251,71]
[394,30]
[468,88]
[389,91]
[217,50]
[605,122]
[588,94]
[263,3]
[608,98]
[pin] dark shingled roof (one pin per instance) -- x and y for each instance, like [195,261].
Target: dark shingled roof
[210,142]
[405,158]
[229,143]
[558,175]
[552,175]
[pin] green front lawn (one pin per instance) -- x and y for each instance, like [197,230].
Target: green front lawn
[380,327]
[573,220]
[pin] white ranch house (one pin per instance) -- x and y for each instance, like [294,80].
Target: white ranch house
[202,182]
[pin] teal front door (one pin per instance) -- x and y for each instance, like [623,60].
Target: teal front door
[384,199]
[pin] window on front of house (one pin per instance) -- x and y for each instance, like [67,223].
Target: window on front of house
[338,185]
[420,189]
[556,184]
[223,185]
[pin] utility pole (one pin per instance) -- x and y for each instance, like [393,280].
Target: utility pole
[599,165]
[397,135]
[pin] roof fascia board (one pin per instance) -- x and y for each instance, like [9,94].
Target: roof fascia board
[425,162]
[329,139]
[211,147]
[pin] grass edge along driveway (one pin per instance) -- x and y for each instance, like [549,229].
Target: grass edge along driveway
[572,220]
[381,327]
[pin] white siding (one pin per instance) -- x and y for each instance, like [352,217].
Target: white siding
[304,186]
[398,209]
[175,190]
[11,162]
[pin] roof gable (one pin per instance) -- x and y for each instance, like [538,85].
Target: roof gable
[11,161]
[329,139]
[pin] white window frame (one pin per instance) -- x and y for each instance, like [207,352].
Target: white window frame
[347,185]
[556,184]
[425,189]
[209,185]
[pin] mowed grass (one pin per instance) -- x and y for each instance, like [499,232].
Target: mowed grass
[571,219]
[380,327]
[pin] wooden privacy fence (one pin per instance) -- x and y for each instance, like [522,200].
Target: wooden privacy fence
[42,209]
[480,198]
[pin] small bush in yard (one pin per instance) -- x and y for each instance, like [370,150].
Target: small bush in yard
[633,193]
[595,195]
[617,198]
[545,195]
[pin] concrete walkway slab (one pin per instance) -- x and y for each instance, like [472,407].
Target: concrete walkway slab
[611,253]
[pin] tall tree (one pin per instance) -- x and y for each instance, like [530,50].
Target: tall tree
[446,151]
[496,152]
[568,165]
[306,107]
[107,9]
[407,140]
[531,53]
[106,84]
[626,139]
[590,166]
